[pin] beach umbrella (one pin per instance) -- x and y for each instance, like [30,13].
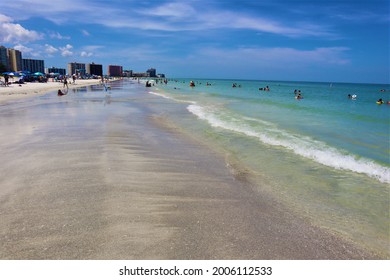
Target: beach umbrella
[11,74]
[25,73]
[38,74]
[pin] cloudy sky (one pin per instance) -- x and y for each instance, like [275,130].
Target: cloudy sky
[302,40]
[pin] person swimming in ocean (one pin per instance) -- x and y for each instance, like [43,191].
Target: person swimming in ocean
[380,101]
[353,96]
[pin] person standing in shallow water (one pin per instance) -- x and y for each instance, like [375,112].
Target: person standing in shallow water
[65,82]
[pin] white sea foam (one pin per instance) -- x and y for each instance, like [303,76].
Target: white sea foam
[171,97]
[161,95]
[304,146]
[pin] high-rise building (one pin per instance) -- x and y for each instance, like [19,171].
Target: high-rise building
[94,69]
[33,65]
[151,72]
[76,68]
[4,57]
[115,70]
[61,71]
[127,73]
[15,60]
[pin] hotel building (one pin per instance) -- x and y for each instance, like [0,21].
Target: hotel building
[94,69]
[33,65]
[61,71]
[15,60]
[151,72]
[76,68]
[4,57]
[115,70]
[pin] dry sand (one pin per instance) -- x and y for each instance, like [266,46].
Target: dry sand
[87,179]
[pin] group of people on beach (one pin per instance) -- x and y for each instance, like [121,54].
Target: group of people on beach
[65,80]
[65,84]
[7,83]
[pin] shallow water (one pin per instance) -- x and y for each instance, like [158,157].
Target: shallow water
[326,156]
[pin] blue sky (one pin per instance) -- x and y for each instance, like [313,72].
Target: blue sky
[301,40]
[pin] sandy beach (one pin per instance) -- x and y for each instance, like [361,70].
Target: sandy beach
[102,176]
[16,91]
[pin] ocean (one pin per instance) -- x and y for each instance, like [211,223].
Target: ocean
[326,156]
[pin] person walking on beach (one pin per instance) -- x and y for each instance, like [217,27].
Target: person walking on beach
[6,80]
[65,82]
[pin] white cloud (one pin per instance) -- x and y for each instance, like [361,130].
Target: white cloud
[57,35]
[85,32]
[86,54]
[282,56]
[91,50]
[29,52]
[4,18]
[174,10]
[55,11]
[15,33]
[23,49]
[67,50]
[274,27]
[169,16]
[50,50]
[183,17]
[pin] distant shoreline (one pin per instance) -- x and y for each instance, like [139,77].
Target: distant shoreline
[16,91]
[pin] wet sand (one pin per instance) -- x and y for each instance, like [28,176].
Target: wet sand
[108,178]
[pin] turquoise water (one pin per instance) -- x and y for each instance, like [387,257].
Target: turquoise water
[324,126]
[326,156]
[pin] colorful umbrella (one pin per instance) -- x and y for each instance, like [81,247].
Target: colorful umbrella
[38,74]
[12,74]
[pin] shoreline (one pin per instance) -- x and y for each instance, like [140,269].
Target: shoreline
[14,91]
[88,178]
